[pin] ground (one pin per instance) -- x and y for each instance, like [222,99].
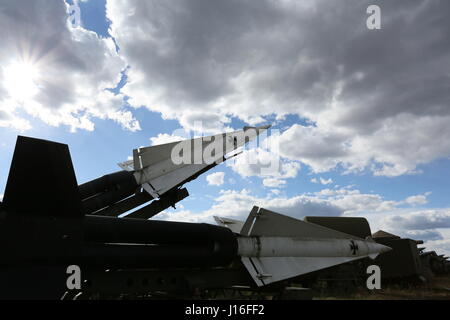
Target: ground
[438,289]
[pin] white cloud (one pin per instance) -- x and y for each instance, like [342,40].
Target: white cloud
[273,183]
[216,178]
[420,220]
[328,181]
[431,225]
[55,72]
[265,164]
[322,181]
[163,138]
[8,118]
[440,246]
[419,199]
[327,202]
[237,204]
[250,60]
[352,201]
[425,235]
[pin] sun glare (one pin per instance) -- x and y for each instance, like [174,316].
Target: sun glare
[20,80]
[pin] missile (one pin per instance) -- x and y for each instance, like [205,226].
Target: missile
[50,228]
[158,172]
[160,168]
[274,247]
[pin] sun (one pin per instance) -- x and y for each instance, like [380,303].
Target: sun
[20,79]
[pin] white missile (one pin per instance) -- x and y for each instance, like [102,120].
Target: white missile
[274,247]
[158,172]
[305,247]
[159,169]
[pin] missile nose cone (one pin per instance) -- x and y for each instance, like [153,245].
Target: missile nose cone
[384,249]
[379,248]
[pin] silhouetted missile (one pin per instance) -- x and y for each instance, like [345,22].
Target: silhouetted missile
[160,170]
[271,246]
[44,231]
[275,247]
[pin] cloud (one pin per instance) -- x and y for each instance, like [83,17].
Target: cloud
[273,183]
[265,164]
[431,226]
[216,178]
[163,138]
[10,120]
[322,181]
[425,235]
[352,201]
[440,246]
[420,220]
[275,191]
[342,202]
[419,199]
[372,101]
[395,149]
[55,72]
[237,204]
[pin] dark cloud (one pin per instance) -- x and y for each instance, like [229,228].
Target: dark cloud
[404,63]
[422,220]
[195,48]
[316,59]
[425,235]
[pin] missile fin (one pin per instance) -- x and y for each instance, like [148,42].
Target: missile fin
[166,182]
[266,270]
[262,222]
[145,157]
[233,225]
[373,256]
[127,165]
[42,180]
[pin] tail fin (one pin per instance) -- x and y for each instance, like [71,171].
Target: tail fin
[262,222]
[42,180]
[267,270]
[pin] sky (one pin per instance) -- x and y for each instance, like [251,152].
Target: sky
[360,117]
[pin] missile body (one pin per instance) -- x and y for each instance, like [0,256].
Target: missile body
[300,247]
[160,170]
[48,227]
